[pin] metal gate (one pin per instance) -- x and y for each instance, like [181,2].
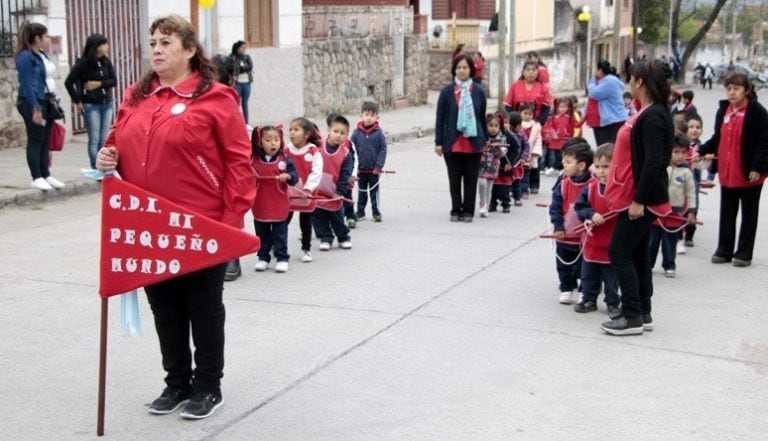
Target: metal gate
[120,22]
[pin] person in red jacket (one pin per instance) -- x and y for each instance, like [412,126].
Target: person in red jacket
[180,134]
[274,173]
[559,128]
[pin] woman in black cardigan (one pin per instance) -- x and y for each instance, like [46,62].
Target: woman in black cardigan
[637,188]
[460,135]
[743,163]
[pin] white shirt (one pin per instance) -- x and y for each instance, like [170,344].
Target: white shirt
[50,71]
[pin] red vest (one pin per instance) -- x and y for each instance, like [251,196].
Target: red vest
[303,164]
[595,245]
[271,203]
[571,191]
[331,170]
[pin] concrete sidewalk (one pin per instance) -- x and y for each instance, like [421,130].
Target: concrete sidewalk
[398,124]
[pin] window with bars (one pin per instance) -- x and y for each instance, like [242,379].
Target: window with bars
[12,15]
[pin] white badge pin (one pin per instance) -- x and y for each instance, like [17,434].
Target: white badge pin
[178,108]
[281,166]
[308,157]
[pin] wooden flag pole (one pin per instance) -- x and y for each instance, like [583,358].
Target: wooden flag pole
[102,366]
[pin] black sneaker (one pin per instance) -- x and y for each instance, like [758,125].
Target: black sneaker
[613,311]
[202,405]
[491,209]
[170,400]
[518,203]
[534,191]
[233,270]
[585,306]
[647,322]
[360,216]
[623,326]
[505,210]
[377,218]
[688,243]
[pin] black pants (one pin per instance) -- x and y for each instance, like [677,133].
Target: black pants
[568,263]
[273,236]
[631,261]
[463,167]
[500,194]
[38,142]
[330,223]
[607,133]
[593,275]
[730,198]
[535,179]
[194,300]
[368,184]
[305,224]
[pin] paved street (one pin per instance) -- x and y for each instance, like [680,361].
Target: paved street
[425,330]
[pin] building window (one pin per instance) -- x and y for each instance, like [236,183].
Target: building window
[258,23]
[470,9]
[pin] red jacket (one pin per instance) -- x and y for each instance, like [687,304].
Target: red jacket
[195,152]
[558,129]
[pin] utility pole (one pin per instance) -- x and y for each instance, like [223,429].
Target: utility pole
[502,59]
[615,52]
[669,32]
[733,31]
[635,20]
[512,39]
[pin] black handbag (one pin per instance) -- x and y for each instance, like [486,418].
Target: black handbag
[51,107]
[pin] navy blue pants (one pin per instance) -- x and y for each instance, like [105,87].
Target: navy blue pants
[668,243]
[500,195]
[568,265]
[593,275]
[273,235]
[327,223]
[368,184]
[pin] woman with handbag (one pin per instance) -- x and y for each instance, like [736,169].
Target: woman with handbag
[90,84]
[35,84]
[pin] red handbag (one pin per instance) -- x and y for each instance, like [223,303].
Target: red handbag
[58,133]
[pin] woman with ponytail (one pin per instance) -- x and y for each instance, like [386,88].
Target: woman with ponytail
[179,134]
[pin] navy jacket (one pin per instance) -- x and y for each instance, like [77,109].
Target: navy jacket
[371,145]
[446,133]
[556,215]
[31,71]
[754,140]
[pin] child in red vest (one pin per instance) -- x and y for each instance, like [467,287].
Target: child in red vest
[596,269]
[304,138]
[577,157]
[338,165]
[559,128]
[274,172]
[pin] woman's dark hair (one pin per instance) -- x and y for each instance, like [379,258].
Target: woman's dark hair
[740,79]
[236,45]
[533,55]
[175,24]
[527,64]
[257,134]
[27,34]
[311,129]
[655,75]
[92,43]
[468,60]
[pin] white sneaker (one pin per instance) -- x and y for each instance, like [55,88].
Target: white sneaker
[483,212]
[261,265]
[548,171]
[41,184]
[281,267]
[306,257]
[324,246]
[55,183]
[565,298]
[346,245]
[680,247]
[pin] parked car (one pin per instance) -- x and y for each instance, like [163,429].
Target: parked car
[760,80]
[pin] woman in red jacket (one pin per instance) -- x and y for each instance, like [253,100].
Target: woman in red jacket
[742,164]
[180,134]
[530,89]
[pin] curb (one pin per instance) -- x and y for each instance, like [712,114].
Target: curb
[31,196]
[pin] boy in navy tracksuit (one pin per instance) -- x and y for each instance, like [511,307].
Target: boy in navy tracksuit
[371,145]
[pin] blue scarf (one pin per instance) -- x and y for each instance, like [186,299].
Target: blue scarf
[466,122]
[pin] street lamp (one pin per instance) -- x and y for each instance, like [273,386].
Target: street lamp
[585,17]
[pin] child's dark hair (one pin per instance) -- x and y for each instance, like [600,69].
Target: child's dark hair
[329,119]
[578,148]
[527,105]
[688,95]
[564,100]
[370,106]
[493,117]
[339,119]
[680,120]
[310,128]
[258,134]
[627,95]
[695,117]
[681,142]
[515,120]
[604,150]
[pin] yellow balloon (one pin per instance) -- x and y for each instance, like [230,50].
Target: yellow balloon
[207,4]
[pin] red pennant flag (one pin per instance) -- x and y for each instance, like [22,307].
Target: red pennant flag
[146,239]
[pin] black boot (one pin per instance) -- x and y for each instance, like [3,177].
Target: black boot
[233,270]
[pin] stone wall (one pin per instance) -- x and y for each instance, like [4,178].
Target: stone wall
[12,133]
[439,68]
[339,74]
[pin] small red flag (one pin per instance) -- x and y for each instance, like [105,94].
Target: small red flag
[146,239]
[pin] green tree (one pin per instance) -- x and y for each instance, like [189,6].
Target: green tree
[652,16]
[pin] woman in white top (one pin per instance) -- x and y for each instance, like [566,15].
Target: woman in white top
[243,69]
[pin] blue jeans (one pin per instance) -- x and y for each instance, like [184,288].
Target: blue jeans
[668,242]
[592,274]
[98,119]
[244,90]
[273,236]
[327,223]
